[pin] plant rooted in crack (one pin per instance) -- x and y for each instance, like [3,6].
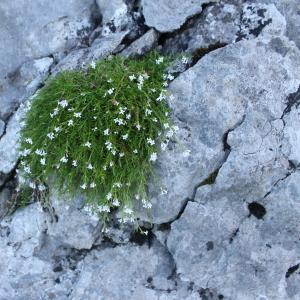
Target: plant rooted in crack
[99,131]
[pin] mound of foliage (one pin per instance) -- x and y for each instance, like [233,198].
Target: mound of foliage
[98,131]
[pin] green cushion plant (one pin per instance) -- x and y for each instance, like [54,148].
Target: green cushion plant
[98,131]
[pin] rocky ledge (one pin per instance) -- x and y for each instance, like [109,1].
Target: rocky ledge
[225,224]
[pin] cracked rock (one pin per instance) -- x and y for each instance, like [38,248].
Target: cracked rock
[144,44]
[101,48]
[232,85]
[70,225]
[2,127]
[102,272]
[166,16]
[22,84]
[212,239]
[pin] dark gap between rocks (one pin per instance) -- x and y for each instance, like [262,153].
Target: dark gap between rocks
[257,210]
[291,270]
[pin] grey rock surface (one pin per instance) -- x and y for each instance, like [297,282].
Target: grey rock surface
[9,143]
[168,16]
[22,83]
[254,252]
[30,33]
[224,23]
[144,44]
[70,225]
[226,209]
[101,48]
[107,275]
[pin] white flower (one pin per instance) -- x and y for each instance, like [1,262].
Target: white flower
[25,152]
[29,141]
[138,126]
[51,135]
[93,185]
[148,112]
[109,196]
[122,110]
[116,202]
[64,159]
[93,65]
[104,167]
[135,151]
[159,60]
[146,204]
[166,125]
[87,144]
[43,161]
[103,208]
[41,187]
[128,210]
[63,103]
[150,141]
[108,145]
[55,112]
[132,77]
[56,129]
[90,167]
[165,84]
[109,80]
[119,121]
[106,131]
[95,128]
[70,122]
[77,115]
[175,128]
[111,163]
[140,86]
[155,120]
[170,77]
[83,186]
[117,184]
[184,60]
[40,152]
[113,152]
[74,163]
[186,153]
[125,136]
[170,133]
[71,108]
[27,170]
[128,116]
[32,185]
[137,196]
[110,91]
[121,154]
[153,157]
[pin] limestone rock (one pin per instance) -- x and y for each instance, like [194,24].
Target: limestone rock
[22,83]
[167,16]
[72,226]
[2,127]
[30,33]
[101,48]
[144,44]
[255,253]
[102,271]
